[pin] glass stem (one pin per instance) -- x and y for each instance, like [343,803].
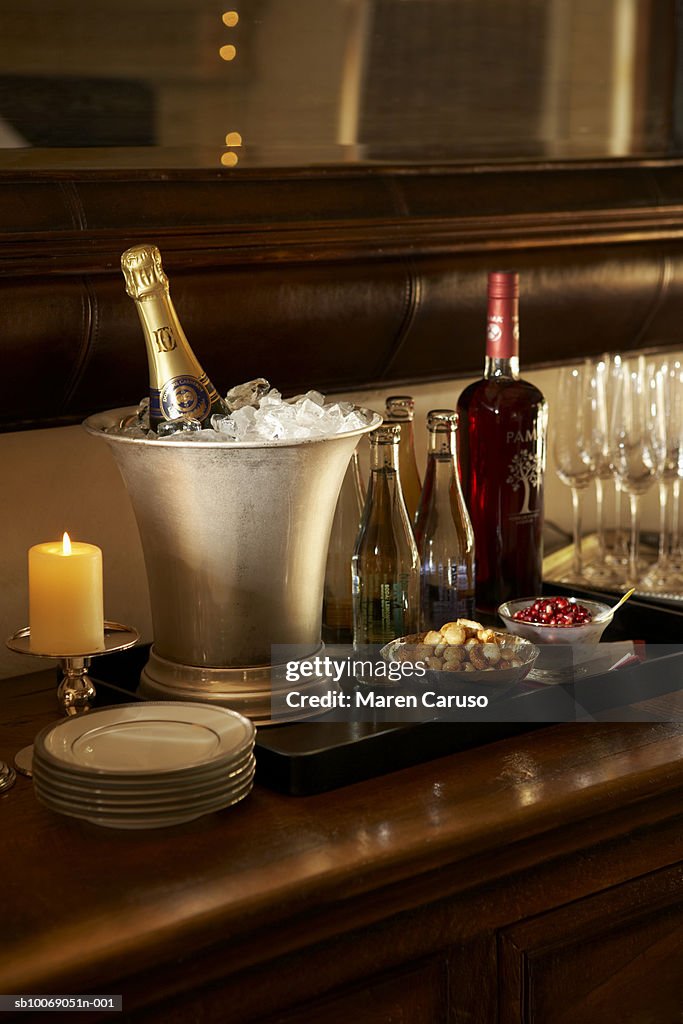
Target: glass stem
[635,540]
[619,533]
[600,519]
[576,509]
[663,545]
[675,547]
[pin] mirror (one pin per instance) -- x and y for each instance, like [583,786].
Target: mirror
[193,84]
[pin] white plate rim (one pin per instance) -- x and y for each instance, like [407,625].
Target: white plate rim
[150,809]
[145,821]
[75,727]
[114,782]
[143,797]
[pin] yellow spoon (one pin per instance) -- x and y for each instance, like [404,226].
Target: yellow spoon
[619,603]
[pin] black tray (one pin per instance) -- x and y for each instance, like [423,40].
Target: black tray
[321,754]
[318,755]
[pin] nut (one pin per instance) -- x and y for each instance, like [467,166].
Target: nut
[453,633]
[433,638]
[462,646]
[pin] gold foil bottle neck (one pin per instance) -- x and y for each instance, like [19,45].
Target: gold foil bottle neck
[143,272]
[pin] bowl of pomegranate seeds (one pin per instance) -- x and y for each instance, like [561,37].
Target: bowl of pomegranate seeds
[556,620]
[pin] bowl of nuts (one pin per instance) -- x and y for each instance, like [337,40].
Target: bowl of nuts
[467,652]
[556,620]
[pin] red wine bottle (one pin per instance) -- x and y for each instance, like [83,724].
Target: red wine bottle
[501,452]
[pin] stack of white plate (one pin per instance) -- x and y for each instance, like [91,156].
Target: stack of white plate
[145,765]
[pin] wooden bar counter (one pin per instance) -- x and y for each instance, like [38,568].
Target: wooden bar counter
[533,879]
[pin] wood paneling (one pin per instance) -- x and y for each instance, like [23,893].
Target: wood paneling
[616,957]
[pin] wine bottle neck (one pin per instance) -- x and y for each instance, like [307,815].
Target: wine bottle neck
[441,444]
[400,409]
[407,442]
[495,366]
[502,326]
[384,456]
[441,470]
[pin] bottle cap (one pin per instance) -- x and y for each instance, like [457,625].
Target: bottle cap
[503,284]
[442,419]
[143,272]
[388,433]
[400,407]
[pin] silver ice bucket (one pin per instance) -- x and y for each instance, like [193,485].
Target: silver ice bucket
[235,541]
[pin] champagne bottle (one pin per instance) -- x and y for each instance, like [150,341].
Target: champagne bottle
[337,604]
[401,409]
[385,564]
[443,531]
[502,444]
[178,386]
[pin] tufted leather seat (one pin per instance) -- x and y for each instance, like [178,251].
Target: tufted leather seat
[337,279]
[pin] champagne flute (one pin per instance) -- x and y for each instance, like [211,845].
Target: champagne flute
[574,449]
[602,570]
[663,576]
[676,535]
[618,556]
[638,441]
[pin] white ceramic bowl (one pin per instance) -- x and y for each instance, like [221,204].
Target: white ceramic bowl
[587,633]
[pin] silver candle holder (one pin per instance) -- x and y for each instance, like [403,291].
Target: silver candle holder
[76,690]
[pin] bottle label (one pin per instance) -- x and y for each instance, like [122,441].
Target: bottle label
[164,339]
[502,328]
[182,396]
[381,608]
[525,474]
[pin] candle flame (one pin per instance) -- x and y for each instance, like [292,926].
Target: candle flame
[66,544]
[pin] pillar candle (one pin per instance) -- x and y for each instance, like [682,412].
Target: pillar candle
[66,605]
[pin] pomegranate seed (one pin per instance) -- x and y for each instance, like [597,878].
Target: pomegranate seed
[554,611]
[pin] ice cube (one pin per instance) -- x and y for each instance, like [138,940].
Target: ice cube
[243,419]
[198,436]
[182,424]
[309,411]
[272,397]
[310,396]
[225,426]
[138,419]
[130,428]
[246,394]
[354,420]
[267,417]
[270,426]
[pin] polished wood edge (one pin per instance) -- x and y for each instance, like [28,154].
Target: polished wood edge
[209,219]
[120,950]
[96,253]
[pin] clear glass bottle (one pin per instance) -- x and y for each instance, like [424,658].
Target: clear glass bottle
[401,409]
[443,531]
[385,564]
[178,386]
[337,602]
[501,455]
